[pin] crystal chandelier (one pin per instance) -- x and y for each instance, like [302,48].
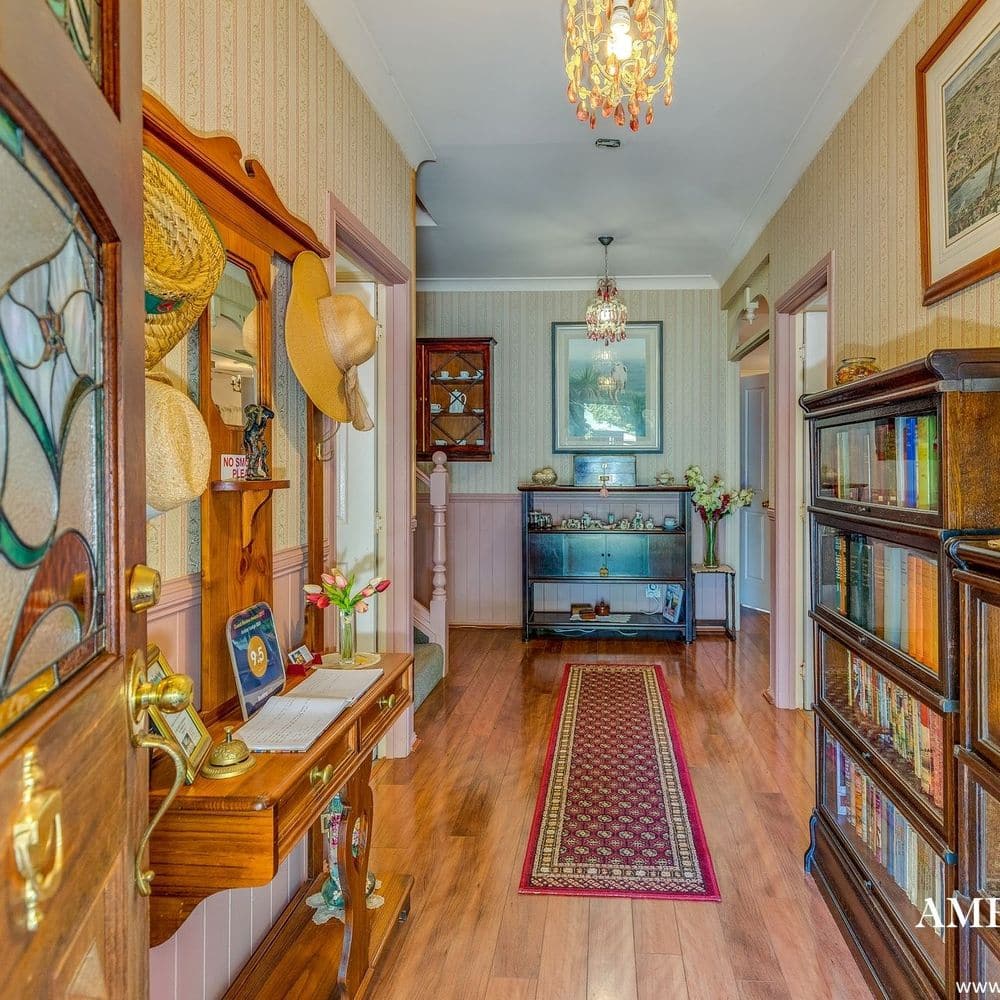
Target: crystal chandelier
[607,314]
[619,56]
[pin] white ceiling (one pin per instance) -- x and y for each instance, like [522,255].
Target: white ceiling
[517,187]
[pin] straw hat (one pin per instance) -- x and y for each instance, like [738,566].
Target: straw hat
[327,337]
[178,448]
[182,254]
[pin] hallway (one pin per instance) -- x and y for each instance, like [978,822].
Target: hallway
[456,814]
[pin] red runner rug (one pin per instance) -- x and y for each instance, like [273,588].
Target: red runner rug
[616,813]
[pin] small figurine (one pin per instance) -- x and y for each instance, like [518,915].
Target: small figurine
[649,524]
[255,419]
[638,521]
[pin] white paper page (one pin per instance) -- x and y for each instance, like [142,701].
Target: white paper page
[347,684]
[290,723]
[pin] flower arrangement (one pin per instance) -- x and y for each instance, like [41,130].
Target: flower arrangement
[336,589]
[713,501]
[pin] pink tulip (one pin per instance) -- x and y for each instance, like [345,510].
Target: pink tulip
[328,580]
[320,600]
[361,607]
[382,586]
[367,592]
[339,579]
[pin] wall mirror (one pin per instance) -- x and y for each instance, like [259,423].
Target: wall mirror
[234,343]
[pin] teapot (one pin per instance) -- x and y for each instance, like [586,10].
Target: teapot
[458,401]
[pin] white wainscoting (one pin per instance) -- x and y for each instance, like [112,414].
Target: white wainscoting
[215,942]
[484,563]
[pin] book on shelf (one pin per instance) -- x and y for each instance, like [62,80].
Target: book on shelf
[877,823]
[888,590]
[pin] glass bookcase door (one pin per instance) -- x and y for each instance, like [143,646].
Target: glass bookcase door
[888,589]
[457,397]
[901,864]
[980,958]
[891,461]
[981,818]
[984,673]
[904,732]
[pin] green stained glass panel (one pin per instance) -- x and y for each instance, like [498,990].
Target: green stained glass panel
[52,410]
[81,20]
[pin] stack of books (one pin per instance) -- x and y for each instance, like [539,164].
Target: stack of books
[888,590]
[893,843]
[893,461]
[904,728]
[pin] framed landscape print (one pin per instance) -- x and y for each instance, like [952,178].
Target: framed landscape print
[607,398]
[958,148]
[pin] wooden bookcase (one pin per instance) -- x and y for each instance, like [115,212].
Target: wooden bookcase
[977,574]
[897,474]
[565,565]
[454,398]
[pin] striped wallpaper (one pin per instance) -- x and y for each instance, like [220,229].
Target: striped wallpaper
[860,198]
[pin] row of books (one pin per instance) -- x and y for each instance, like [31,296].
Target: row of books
[893,461]
[890,717]
[886,589]
[895,845]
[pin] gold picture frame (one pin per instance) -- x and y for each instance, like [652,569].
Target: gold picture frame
[185,728]
[958,145]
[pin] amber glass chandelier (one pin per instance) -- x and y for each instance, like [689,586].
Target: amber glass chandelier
[619,57]
[607,314]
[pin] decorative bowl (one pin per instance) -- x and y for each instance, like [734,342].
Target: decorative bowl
[851,369]
[545,476]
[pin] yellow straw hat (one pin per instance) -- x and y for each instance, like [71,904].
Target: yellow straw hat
[178,448]
[182,254]
[327,337]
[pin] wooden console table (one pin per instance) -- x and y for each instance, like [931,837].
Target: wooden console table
[235,833]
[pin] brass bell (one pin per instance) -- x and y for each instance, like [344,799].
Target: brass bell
[228,758]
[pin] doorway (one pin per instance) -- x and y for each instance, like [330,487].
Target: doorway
[802,363]
[359,472]
[755,526]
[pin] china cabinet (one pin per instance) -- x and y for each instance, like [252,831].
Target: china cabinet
[642,570]
[896,477]
[454,390]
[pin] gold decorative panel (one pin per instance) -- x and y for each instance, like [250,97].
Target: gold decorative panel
[52,545]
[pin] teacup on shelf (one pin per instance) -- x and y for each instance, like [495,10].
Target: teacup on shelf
[435,407]
[463,374]
[440,442]
[444,375]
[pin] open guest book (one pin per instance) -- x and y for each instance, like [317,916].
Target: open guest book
[294,721]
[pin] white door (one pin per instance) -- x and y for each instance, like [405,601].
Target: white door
[755,527]
[357,478]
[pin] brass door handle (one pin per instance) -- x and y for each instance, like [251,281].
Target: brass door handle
[321,775]
[389,702]
[170,695]
[37,840]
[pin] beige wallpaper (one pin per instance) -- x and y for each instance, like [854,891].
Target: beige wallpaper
[263,71]
[700,386]
[859,198]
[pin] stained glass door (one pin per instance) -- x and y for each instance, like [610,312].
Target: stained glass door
[72,790]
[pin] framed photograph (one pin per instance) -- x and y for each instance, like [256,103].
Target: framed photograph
[607,398]
[673,602]
[186,727]
[958,152]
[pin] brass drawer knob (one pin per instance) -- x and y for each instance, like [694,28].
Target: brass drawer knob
[321,775]
[387,702]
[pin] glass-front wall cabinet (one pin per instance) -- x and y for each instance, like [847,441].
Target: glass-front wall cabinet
[902,731]
[888,589]
[898,860]
[890,461]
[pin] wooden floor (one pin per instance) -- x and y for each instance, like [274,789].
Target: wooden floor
[456,814]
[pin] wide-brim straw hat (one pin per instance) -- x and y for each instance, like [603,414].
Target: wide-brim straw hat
[178,448]
[327,337]
[183,257]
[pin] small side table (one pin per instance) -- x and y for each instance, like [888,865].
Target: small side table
[728,623]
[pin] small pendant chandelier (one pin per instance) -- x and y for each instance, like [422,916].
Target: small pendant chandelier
[619,56]
[607,314]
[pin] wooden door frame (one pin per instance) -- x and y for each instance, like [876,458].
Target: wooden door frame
[787,566]
[348,233]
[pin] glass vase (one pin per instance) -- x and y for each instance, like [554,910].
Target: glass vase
[346,635]
[711,541]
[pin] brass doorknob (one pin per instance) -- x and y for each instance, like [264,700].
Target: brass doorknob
[170,695]
[389,702]
[143,587]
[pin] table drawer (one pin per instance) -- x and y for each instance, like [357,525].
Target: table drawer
[377,718]
[326,772]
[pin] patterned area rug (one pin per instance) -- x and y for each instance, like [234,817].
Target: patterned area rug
[616,814]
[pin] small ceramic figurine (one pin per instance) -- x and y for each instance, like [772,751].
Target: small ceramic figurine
[638,521]
[586,519]
[255,420]
[649,524]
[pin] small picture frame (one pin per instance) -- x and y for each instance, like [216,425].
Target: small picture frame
[185,728]
[673,602]
[301,656]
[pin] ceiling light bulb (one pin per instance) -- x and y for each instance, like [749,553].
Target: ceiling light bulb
[620,42]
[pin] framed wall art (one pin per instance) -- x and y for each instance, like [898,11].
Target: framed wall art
[184,727]
[607,398]
[958,152]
